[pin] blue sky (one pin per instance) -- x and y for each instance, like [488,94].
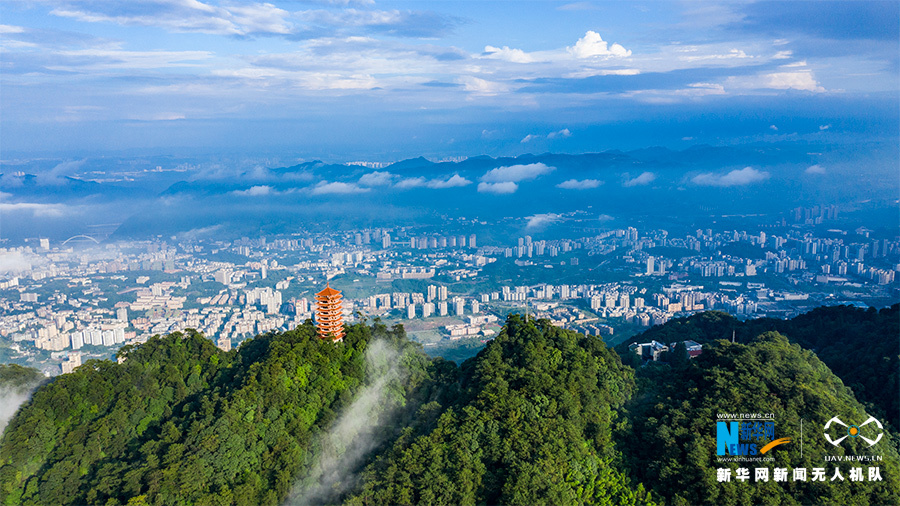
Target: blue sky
[376,80]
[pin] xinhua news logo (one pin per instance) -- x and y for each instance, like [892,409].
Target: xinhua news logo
[746,437]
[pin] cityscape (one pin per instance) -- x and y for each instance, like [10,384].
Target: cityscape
[81,300]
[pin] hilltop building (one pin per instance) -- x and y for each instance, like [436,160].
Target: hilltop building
[329,314]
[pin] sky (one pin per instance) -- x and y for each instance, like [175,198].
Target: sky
[360,79]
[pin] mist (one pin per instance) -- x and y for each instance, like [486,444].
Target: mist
[10,400]
[353,436]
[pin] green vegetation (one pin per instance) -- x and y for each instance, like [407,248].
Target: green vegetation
[861,346]
[532,424]
[182,422]
[15,378]
[541,415]
[672,442]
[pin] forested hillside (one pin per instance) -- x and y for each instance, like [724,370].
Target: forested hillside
[182,422]
[541,415]
[533,424]
[671,445]
[861,346]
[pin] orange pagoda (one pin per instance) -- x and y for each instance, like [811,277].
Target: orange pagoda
[330,314]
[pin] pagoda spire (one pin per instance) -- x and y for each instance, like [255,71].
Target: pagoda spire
[330,314]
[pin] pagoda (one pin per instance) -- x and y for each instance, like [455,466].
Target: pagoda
[330,314]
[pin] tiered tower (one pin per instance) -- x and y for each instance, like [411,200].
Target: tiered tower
[330,314]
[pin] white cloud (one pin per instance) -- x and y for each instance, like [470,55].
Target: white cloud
[542,220]
[454,182]
[36,209]
[412,182]
[561,134]
[504,187]
[516,173]
[773,127]
[57,175]
[644,179]
[815,169]
[16,261]
[528,138]
[377,178]
[824,127]
[5,29]
[800,80]
[506,54]
[255,191]
[324,187]
[737,177]
[574,184]
[187,16]
[592,45]
[782,55]
[730,55]
[483,87]
[591,72]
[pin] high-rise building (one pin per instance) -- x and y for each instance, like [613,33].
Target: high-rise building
[122,314]
[459,306]
[411,311]
[472,241]
[442,293]
[650,265]
[385,240]
[432,292]
[330,314]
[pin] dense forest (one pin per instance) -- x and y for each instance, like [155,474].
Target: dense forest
[861,346]
[541,415]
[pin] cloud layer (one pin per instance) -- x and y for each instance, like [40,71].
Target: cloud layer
[737,177]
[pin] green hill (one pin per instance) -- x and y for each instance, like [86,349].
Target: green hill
[541,415]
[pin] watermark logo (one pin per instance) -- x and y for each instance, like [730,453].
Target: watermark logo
[750,435]
[852,431]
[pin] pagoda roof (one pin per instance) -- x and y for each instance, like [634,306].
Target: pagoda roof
[328,291]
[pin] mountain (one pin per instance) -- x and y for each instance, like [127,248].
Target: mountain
[839,336]
[541,415]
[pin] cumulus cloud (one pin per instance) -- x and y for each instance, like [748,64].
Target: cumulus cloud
[412,182]
[499,188]
[516,173]
[824,127]
[737,177]
[773,128]
[562,134]
[455,181]
[574,184]
[337,187]
[815,169]
[506,54]
[541,220]
[592,45]
[644,179]
[528,138]
[800,80]
[255,191]
[377,178]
